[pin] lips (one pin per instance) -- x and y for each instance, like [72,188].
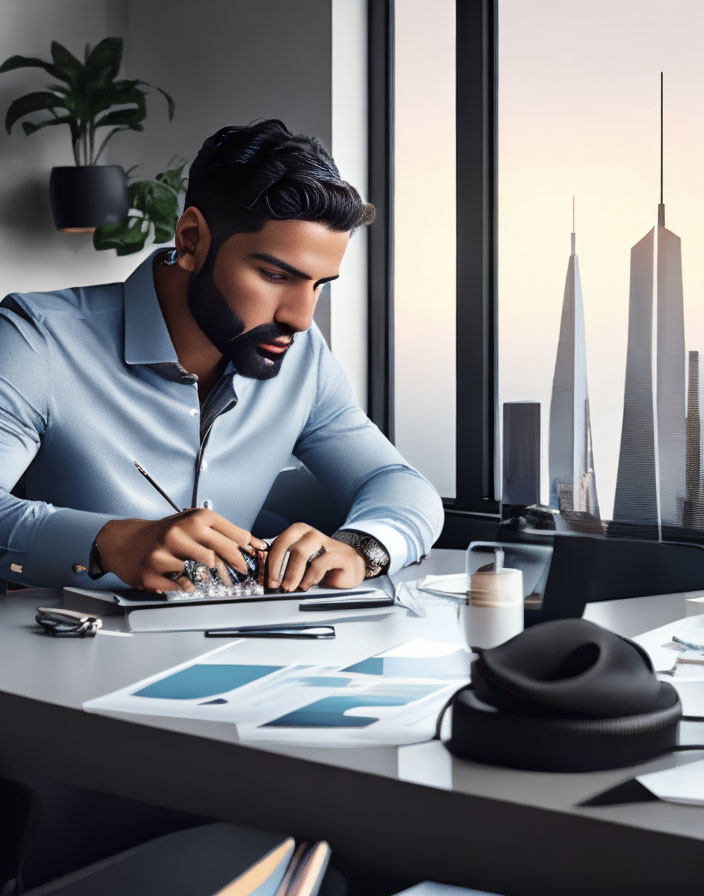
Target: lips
[276,348]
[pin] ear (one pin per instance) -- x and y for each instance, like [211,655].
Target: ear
[192,240]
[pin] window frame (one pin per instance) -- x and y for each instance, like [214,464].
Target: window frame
[474,511]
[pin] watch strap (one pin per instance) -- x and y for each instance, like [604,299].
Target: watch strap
[95,569]
[376,558]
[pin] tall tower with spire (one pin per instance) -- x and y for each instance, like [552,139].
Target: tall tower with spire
[650,486]
[571,461]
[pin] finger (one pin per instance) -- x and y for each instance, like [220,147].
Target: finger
[343,575]
[182,547]
[233,532]
[222,572]
[300,554]
[316,570]
[165,562]
[261,560]
[152,581]
[226,548]
[277,553]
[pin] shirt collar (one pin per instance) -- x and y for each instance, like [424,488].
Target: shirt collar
[147,338]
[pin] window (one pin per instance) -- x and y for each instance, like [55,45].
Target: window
[576,114]
[618,285]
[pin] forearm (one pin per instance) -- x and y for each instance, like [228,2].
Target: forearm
[401,509]
[46,546]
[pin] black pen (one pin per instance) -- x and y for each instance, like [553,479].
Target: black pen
[156,486]
[346,603]
[293,630]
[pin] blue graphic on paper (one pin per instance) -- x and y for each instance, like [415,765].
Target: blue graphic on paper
[325,681]
[204,680]
[452,665]
[330,711]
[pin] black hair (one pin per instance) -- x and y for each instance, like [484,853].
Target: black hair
[252,173]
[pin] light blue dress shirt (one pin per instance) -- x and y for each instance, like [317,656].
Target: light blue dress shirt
[90,381]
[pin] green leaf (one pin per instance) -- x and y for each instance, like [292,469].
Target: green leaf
[32,102]
[66,63]
[105,59]
[125,237]
[29,62]
[58,88]
[29,128]
[128,118]
[165,234]
[169,101]
[154,205]
[103,96]
[174,179]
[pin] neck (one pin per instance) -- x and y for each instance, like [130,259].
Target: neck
[195,351]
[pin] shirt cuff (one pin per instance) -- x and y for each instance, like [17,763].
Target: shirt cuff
[60,551]
[391,538]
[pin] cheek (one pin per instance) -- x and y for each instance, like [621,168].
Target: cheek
[252,300]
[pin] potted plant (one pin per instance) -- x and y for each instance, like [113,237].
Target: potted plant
[152,204]
[87,99]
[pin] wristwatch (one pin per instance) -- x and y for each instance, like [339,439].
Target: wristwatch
[95,569]
[376,557]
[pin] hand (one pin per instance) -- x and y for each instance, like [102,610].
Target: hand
[340,566]
[141,551]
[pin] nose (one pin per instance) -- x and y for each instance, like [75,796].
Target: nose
[296,311]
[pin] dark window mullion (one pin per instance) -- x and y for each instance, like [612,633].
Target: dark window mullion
[477,377]
[380,407]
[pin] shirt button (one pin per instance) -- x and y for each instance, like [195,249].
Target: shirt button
[207,504]
[193,412]
[204,465]
[79,567]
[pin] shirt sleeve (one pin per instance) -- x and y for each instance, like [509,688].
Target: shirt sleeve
[351,457]
[40,544]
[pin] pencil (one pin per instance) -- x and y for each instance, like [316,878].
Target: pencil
[156,486]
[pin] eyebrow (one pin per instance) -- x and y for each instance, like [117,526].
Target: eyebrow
[285,266]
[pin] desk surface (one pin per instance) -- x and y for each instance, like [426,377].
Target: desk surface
[412,810]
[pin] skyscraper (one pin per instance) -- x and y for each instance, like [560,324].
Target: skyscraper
[650,486]
[521,479]
[572,479]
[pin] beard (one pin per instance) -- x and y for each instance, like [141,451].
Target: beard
[225,328]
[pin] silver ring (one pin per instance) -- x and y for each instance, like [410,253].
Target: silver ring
[318,553]
[193,570]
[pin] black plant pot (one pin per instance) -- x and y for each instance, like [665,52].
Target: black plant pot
[86,197]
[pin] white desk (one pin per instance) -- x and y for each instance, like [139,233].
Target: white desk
[412,811]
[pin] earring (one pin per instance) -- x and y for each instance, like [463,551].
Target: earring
[171,258]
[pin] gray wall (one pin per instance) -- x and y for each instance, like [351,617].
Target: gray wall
[223,61]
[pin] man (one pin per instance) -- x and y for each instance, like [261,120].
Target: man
[204,366]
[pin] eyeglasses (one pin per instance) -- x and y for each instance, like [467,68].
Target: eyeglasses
[62,623]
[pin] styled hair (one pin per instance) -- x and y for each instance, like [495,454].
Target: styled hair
[246,175]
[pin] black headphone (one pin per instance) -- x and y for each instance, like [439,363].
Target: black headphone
[564,695]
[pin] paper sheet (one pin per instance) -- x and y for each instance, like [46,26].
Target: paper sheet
[681,784]
[390,698]
[688,678]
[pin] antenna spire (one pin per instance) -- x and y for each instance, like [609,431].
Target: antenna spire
[573,238]
[661,135]
[661,207]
